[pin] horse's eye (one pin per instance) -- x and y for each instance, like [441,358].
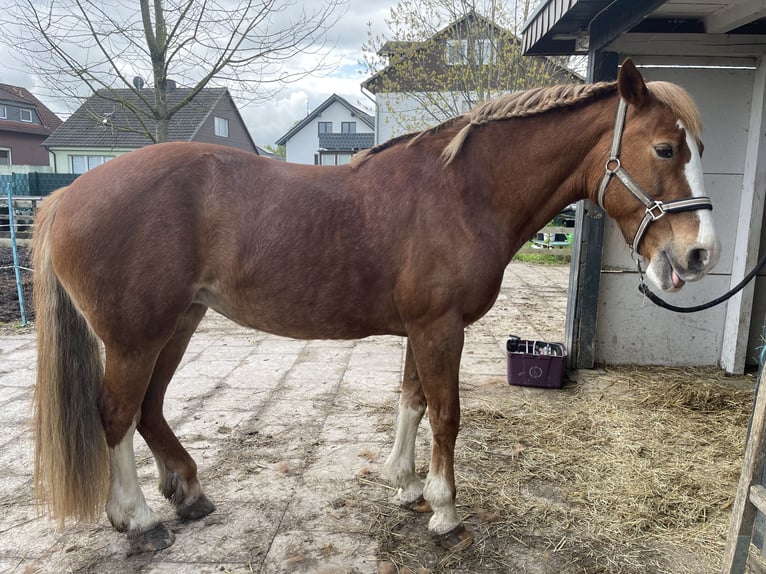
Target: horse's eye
[664,151]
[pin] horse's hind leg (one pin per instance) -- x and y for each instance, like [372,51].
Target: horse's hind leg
[400,466]
[126,377]
[177,470]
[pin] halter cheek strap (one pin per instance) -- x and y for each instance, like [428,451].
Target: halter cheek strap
[654,209]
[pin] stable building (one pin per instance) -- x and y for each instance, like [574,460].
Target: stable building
[715,50]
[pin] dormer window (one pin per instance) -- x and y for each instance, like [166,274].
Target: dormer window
[3,113]
[481,52]
[457,52]
[25,115]
[221,127]
[485,52]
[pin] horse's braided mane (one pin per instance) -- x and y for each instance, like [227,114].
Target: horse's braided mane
[537,101]
[523,104]
[411,138]
[513,105]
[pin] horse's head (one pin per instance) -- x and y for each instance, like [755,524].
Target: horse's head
[653,185]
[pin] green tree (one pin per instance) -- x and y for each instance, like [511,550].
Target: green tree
[277,150]
[443,57]
[80,47]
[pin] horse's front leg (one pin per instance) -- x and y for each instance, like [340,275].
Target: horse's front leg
[400,466]
[437,348]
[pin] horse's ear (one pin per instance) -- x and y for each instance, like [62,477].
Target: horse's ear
[631,85]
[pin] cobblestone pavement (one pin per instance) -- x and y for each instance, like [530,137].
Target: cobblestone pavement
[280,430]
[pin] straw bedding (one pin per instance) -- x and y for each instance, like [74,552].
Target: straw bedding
[628,469]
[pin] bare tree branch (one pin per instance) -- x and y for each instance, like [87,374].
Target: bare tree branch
[81,47]
[444,57]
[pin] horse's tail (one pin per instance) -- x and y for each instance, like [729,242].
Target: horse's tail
[71,457]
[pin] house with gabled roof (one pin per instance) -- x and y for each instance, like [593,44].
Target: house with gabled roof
[107,125]
[25,123]
[330,135]
[467,62]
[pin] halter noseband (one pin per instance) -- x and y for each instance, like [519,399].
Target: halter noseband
[655,209]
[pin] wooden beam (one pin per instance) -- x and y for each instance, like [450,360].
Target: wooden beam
[695,61]
[748,233]
[616,19]
[734,15]
[724,45]
[742,512]
[758,497]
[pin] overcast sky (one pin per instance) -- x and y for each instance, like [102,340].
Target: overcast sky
[268,121]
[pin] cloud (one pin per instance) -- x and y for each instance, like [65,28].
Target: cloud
[267,122]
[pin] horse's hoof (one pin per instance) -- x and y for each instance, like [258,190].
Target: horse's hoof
[158,538]
[420,505]
[457,539]
[197,509]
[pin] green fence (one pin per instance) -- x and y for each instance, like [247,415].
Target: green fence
[36,184]
[20,193]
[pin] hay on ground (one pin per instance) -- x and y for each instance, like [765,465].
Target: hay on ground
[629,470]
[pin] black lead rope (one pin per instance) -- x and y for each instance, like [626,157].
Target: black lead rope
[644,288]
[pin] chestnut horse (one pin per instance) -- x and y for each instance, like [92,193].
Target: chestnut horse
[411,239]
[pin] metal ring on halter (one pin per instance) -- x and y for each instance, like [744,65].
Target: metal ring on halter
[610,161]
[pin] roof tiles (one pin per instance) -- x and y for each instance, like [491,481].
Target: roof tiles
[107,120]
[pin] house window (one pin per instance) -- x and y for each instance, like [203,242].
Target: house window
[457,52]
[82,163]
[3,112]
[348,127]
[5,157]
[485,52]
[26,115]
[332,158]
[325,127]
[221,127]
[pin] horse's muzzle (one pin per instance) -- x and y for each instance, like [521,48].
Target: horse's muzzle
[670,271]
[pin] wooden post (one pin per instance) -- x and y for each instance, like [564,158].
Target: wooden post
[748,232]
[585,270]
[744,512]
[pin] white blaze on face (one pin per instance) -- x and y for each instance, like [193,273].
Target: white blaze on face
[706,236]
[659,270]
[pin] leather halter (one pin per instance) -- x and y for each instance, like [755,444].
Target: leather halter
[655,209]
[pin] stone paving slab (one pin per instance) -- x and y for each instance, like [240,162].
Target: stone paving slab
[281,431]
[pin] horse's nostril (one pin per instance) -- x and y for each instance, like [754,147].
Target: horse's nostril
[697,259]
